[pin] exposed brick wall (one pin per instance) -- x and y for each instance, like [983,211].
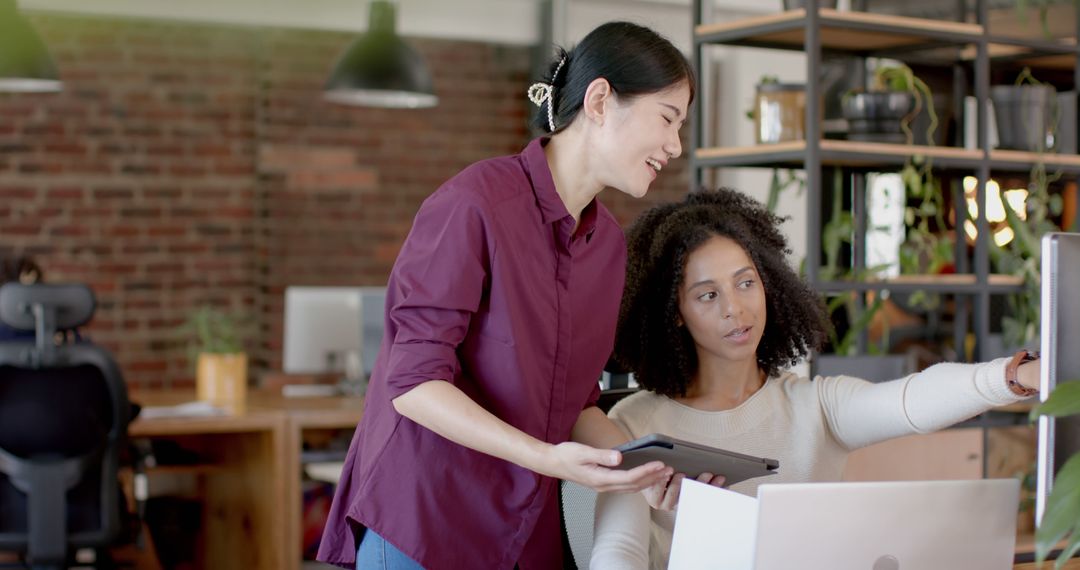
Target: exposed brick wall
[343,183]
[137,178]
[186,164]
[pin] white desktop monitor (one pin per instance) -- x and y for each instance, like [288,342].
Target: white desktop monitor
[326,327]
[1058,438]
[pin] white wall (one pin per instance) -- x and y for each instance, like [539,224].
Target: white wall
[728,86]
[575,18]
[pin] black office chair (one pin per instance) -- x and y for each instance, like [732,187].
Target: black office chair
[64,412]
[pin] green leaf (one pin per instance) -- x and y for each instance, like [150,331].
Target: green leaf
[1062,509]
[1056,204]
[1069,551]
[1064,400]
[1024,239]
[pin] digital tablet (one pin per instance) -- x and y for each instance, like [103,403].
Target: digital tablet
[694,459]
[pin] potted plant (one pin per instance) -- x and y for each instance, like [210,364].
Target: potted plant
[1022,255]
[884,113]
[221,363]
[1026,114]
[1062,517]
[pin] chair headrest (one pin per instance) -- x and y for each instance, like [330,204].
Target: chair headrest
[73,304]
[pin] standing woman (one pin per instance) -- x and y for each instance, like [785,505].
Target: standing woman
[501,312]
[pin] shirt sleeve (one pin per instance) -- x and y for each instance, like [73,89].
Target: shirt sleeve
[594,397]
[439,277]
[621,532]
[861,413]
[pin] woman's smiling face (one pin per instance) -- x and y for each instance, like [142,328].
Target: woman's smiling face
[640,136]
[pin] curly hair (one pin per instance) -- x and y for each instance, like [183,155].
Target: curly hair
[650,340]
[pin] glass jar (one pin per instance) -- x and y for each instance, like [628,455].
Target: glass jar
[779,112]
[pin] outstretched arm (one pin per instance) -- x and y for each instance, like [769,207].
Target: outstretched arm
[861,413]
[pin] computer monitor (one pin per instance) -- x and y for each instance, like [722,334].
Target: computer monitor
[372,322]
[325,327]
[1058,438]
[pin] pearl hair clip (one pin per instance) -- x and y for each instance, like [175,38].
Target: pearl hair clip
[540,92]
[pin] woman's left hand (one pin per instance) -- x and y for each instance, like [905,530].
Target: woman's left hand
[664,496]
[1027,374]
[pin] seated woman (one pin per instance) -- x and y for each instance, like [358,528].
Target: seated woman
[711,316]
[23,270]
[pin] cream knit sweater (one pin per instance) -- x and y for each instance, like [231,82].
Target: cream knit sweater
[810,427]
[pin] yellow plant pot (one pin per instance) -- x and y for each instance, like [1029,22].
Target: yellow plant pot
[221,379]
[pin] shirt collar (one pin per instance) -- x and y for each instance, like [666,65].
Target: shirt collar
[552,208]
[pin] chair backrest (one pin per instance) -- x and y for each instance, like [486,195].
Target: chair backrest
[579,503]
[63,420]
[578,511]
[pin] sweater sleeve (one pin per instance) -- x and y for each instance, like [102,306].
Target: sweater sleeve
[621,532]
[861,413]
[621,523]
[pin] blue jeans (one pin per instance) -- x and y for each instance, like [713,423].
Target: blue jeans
[375,553]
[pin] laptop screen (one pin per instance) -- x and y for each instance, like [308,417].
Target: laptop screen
[909,525]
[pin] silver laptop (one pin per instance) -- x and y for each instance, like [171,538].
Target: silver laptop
[908,525]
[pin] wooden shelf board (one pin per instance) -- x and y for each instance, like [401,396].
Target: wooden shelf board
[940,283]
[898,150]
[1060,61]
[1021,55]
[855,153]
[834,152]
[750,151]
[1027,159]
[841,30]
[995,279]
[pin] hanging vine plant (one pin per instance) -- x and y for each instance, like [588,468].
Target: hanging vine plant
[1022,256]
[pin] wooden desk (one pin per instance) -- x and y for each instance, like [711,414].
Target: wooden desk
[1026,543]
[253,461]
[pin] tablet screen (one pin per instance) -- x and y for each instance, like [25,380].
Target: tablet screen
[694,459]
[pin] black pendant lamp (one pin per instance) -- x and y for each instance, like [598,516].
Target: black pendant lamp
[381,70]
[25,64]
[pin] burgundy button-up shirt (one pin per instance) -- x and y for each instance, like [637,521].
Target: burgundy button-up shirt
[497,293]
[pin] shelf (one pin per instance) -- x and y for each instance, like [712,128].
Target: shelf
[1036,53]
[976,54]
[840,31]
[1004,21]
[1022,161]
[948,283]
[835,153]
[868,155]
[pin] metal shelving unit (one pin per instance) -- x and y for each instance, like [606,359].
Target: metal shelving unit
[969,49]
